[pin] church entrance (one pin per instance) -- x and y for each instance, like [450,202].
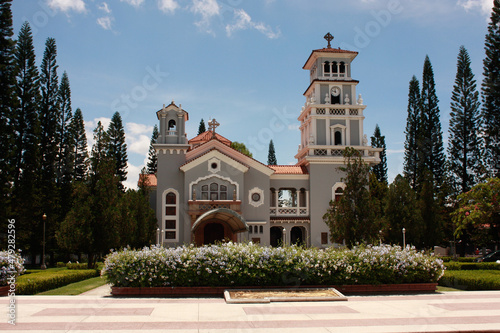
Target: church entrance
[276,236]
[297,236]
[213,232]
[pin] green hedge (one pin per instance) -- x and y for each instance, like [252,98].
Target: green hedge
[472,279]
[465,266]
[459,259]
[38,282]
[237,264]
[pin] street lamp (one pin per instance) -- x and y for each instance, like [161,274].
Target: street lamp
[380,236]
[404,238]
[44,217]
[157,236]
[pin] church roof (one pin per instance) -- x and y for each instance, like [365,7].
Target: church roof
[289,169]
[337,51]
[207,136]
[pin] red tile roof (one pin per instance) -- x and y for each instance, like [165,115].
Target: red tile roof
[149,179]
[334,50]
[289,169]
[207,136]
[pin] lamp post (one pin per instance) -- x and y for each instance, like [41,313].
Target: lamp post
[157,236]
[44,217]
[404,238]
[380,236]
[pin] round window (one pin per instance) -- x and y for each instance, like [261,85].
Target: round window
[214,165]
[256,197]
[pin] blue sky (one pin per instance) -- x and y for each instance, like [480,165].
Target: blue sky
[240,61]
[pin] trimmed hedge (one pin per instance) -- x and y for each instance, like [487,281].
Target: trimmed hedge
[465,266]
[459,259]
[238,264]
[472,280]
[72,265]
[35,283]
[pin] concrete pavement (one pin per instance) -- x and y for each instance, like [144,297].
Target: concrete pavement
[97,311]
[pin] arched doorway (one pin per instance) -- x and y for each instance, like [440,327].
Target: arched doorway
[276,236]
[297,236]
[213,232]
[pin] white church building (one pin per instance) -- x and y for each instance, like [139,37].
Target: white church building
[205,191]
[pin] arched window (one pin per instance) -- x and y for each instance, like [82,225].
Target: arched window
[326,67]
[342,67]
[170,226]
[214,191]
[334,67]
[171,125]
[204,192]
[339,192]
[223,192]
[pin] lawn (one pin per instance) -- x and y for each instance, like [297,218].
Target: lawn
[471,279]
[77,288]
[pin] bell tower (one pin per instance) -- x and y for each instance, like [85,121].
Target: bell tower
[332,117]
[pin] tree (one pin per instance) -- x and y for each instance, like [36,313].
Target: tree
[401,211]
[351,219]
[411,159]
[271,155]
[241,148]
[378,141]
[7,103]
[152,155]
[79,145]
[430,141]
[478,212]
[491,94]
[464,139]
[118,148]
[378,194]
[429,206]
[202,128]
[26,194]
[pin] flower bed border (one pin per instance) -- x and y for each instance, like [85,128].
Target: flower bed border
[219,291]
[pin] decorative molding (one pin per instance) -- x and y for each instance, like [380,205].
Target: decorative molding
[260,193]
[214,162]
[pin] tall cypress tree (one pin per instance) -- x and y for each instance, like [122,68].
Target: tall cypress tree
[26,190]
[411,159]
[430,143]
[79,145]
[152,156]
[202,128]
[49,114]
[271,155]
[7,103]
[380,170]
[117,148]
[491,94]
[64,156]
[464,145]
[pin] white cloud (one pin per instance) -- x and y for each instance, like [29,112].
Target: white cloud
[243,21]
[105,22]
[168,6]
[135,3]
[67,5]
[207,9]
[104,7]
[484,6]
[136,129]
[132,176]
[139,145]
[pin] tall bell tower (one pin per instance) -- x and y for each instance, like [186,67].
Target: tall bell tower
[332,117]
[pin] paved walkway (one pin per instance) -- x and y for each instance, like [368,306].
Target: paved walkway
[96,311]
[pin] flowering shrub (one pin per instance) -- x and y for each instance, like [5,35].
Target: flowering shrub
[11,265]
[238,264]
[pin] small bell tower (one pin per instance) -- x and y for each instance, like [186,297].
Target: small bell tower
[172,124]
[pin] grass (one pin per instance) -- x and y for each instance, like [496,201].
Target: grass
[471,279]
[77,288]
[38,281]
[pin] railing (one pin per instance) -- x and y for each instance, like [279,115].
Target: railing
[202,206]
[171,133]
[289,211]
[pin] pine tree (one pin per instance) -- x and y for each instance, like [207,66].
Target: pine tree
[118,148]
[64,156]
[202,128]
[26,191]
[430,141]
[491,94]
[152,156]
[49,115]
[271,155]
[464,145]
[411,159]
[79,144]
[7,103]
[378,141]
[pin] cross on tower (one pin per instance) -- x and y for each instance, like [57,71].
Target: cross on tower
[212,125]
[329,38]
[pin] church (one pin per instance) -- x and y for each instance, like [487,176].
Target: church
[205,191]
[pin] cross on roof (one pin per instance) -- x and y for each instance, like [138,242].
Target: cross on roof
[329,38]
[212,125]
